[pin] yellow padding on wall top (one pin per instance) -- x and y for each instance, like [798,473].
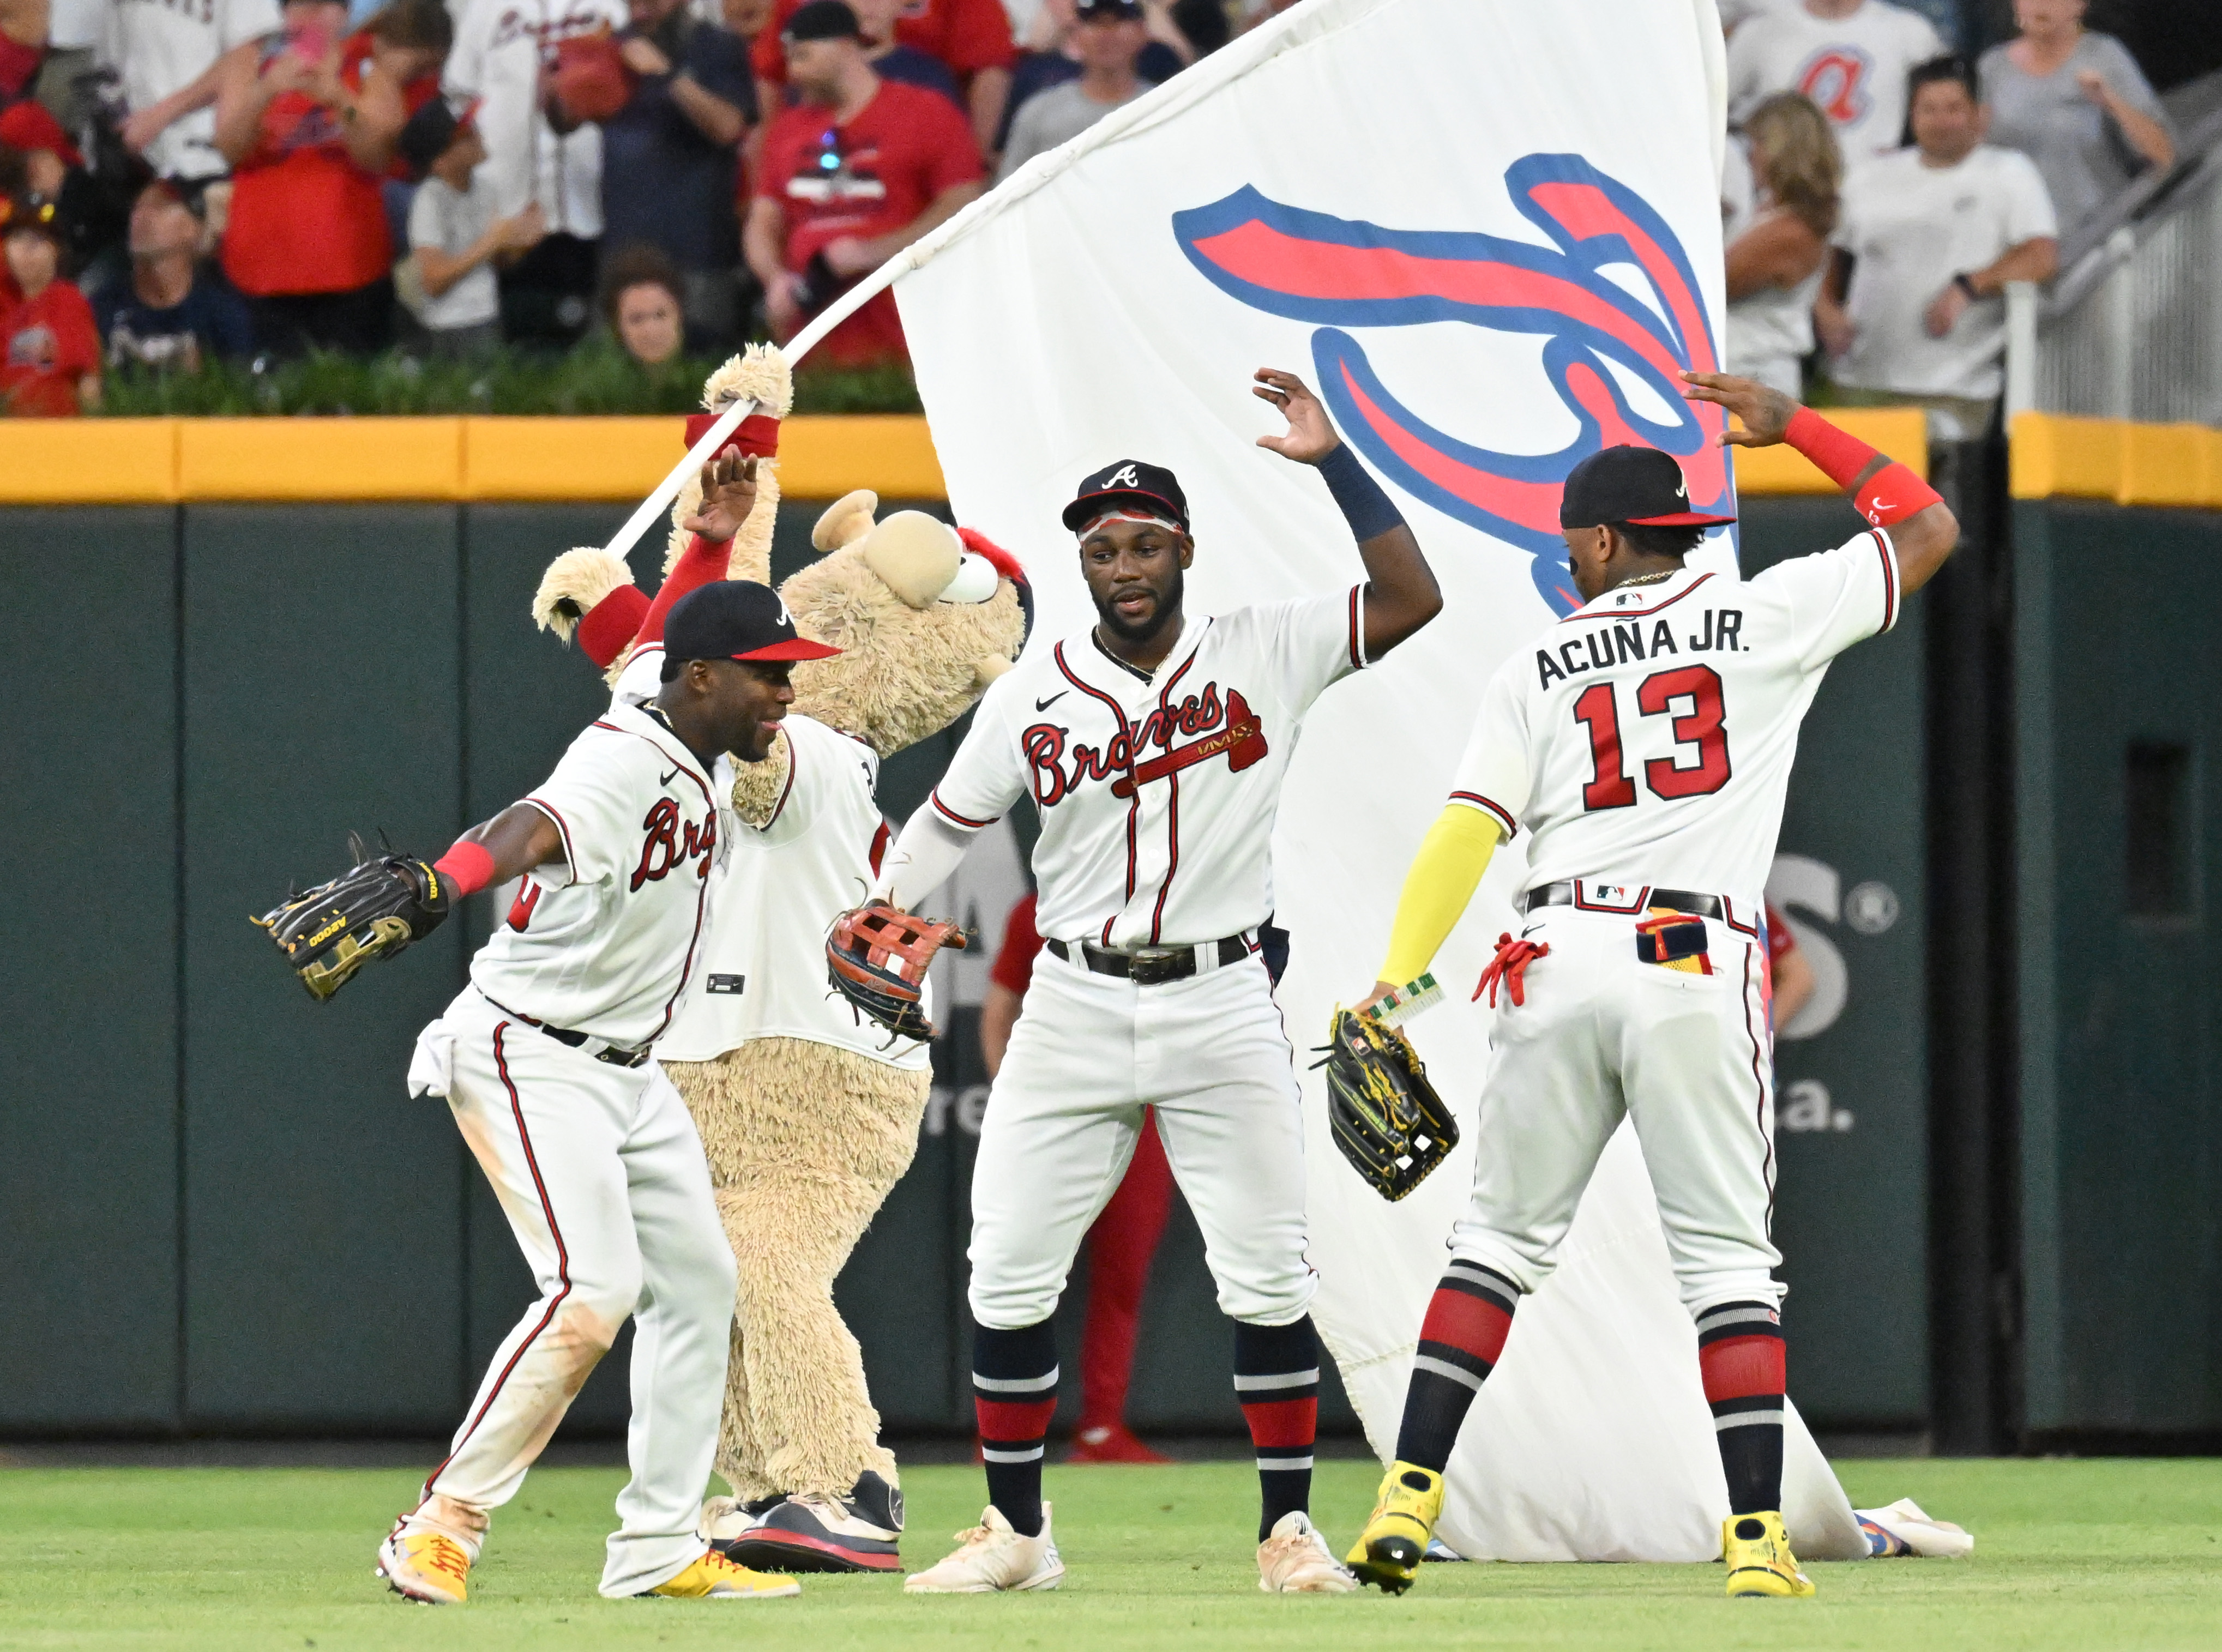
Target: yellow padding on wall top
[160,461]
[1901,432]
[2055,456]
[89,462]
[163,461]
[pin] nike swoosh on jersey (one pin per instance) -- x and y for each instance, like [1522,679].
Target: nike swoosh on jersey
[1044,705]
[665,780]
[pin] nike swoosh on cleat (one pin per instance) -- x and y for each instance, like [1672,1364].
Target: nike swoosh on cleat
[1044,705]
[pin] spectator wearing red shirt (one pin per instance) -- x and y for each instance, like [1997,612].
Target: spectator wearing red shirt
[1119,1245]
[409,41]
[310,137]
[850,176]
[49,347]
[973,37]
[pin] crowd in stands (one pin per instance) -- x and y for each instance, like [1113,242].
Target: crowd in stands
[186,180]
[1883,192]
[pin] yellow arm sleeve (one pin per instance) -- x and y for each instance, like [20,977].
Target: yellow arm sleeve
[1444,876]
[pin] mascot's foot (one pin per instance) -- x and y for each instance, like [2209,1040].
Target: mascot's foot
[1111,1443]
[856,1533]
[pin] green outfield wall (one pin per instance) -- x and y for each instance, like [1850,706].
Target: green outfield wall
[222,1214]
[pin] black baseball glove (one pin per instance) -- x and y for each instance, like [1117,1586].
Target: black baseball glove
[1388,1121]
[371,912]
[877,956]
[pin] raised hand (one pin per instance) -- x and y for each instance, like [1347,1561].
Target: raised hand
[1765,413]
[729,494]
[1311,436]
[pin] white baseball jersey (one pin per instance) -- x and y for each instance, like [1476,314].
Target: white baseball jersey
[1854,67]
[1646,738]
[159,46]
[1157,793]
[778,892]
[499,47]
[605,942]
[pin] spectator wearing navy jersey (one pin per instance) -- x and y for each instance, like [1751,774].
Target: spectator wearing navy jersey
[173,314]
[669,157]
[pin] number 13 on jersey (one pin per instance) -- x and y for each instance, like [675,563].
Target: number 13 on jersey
[1690,696]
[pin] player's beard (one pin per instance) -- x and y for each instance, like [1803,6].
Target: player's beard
[1166,611]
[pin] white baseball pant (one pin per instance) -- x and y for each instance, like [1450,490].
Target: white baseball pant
[1089,1052]
[601,1175]
[1604,1035]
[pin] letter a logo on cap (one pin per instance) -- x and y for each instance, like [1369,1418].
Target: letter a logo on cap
[1123,477]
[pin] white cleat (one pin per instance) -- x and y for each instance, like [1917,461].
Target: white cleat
[1903,1529]
[1295,1560]
[991,1558]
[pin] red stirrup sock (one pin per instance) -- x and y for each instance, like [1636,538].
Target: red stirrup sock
[468,866]
[1886,498]
[1742,1360]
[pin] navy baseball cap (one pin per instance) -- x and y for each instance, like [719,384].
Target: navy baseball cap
[1125,11]
[1640,486]
[735,619]
[1129,482]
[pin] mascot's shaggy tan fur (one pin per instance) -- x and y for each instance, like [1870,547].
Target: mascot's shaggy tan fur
[806,1139]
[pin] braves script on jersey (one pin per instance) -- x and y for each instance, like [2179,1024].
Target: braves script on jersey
[1646,738]
[604,942]
[1156,794]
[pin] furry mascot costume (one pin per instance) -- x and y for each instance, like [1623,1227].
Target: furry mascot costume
[808,1120]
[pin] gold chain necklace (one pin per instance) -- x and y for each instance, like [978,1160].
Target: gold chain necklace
[1645,579]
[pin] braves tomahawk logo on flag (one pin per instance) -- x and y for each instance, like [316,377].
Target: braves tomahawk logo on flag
[1345,273]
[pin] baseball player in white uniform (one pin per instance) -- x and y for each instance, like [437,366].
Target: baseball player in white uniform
[546,1059]
[1153,745]
[1645,744]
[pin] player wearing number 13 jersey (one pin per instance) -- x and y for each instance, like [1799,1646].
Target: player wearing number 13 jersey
[1643,745]
[1153,745]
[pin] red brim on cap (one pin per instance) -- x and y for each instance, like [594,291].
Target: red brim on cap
[1681,519]
[800,649]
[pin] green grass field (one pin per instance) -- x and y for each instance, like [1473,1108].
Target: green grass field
[2073,1554]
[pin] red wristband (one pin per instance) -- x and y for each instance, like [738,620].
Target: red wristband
[468,866]
[1835,455]
[1886,498]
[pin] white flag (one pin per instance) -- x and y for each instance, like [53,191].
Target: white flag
[1488,232]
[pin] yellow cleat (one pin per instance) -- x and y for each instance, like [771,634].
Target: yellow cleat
[1389,1551]
[713,1577]
[1757,1550]
[424,1565]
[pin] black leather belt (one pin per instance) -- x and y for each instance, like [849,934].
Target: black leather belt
[609,1052]
[1562,894]
[1149,966]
